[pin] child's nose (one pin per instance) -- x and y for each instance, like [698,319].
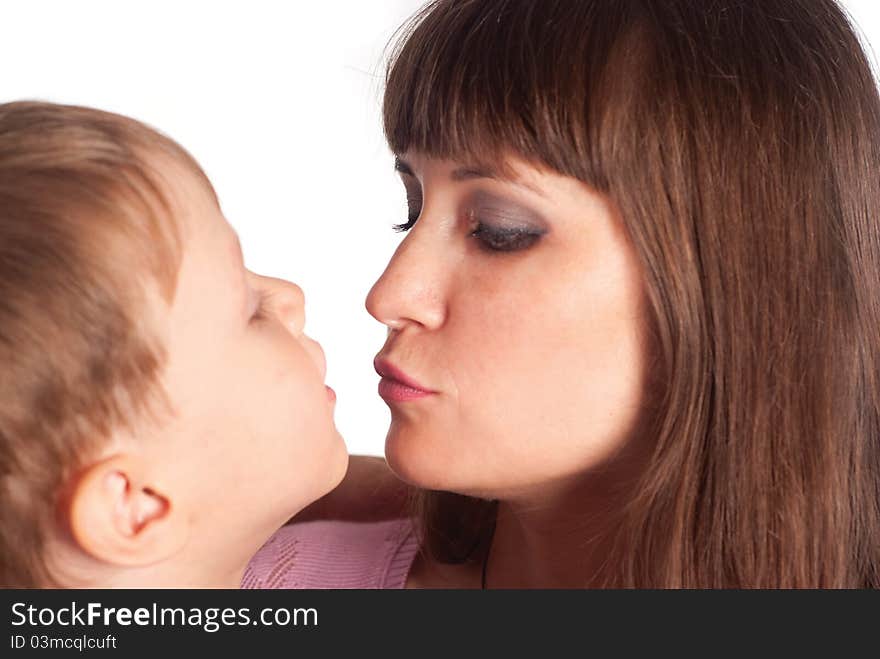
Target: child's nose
[290,304]
[284,300]
[291,307]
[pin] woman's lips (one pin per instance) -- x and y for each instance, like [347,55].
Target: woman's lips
[394,391]
[396,386]
[331,395]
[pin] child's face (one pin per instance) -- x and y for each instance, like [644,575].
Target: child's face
[253,439]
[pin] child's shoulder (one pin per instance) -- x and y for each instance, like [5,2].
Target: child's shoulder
[335,554]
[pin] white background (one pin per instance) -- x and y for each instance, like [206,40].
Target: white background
[280,103]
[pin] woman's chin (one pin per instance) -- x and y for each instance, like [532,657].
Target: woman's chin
[425,461]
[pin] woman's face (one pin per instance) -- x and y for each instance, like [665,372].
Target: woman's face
[515,313]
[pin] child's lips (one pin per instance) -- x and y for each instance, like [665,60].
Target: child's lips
[331,395]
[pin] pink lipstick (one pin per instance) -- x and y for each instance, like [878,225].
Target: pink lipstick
[396,386]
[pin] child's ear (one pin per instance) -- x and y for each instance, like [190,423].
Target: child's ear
[116,515]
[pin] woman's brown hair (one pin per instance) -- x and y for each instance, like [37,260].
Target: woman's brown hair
[86,231]
[740,142]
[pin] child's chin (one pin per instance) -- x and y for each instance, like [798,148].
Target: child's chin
[338,464]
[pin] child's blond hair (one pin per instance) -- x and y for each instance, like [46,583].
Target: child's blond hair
[84,229]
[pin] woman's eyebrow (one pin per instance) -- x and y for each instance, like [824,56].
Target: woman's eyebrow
[477,172]
[469,173]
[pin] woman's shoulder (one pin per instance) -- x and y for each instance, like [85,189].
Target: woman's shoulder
[335,554]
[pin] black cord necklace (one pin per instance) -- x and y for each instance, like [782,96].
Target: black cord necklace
[486,559]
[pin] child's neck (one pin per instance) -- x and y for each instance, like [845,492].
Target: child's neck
[177,572]
[180,576]
[218,564]
[212,565]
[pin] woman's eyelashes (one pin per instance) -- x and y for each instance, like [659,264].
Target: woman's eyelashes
[414,209]
[496,230]
[505,239]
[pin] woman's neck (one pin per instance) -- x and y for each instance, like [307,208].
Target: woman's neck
[559,537]
[543,549]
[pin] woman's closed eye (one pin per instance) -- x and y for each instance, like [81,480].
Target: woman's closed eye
[493,236]
[505,239]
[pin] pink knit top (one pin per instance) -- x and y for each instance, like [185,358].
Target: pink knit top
[326,554]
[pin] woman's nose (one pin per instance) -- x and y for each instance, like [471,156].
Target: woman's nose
[411,290]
